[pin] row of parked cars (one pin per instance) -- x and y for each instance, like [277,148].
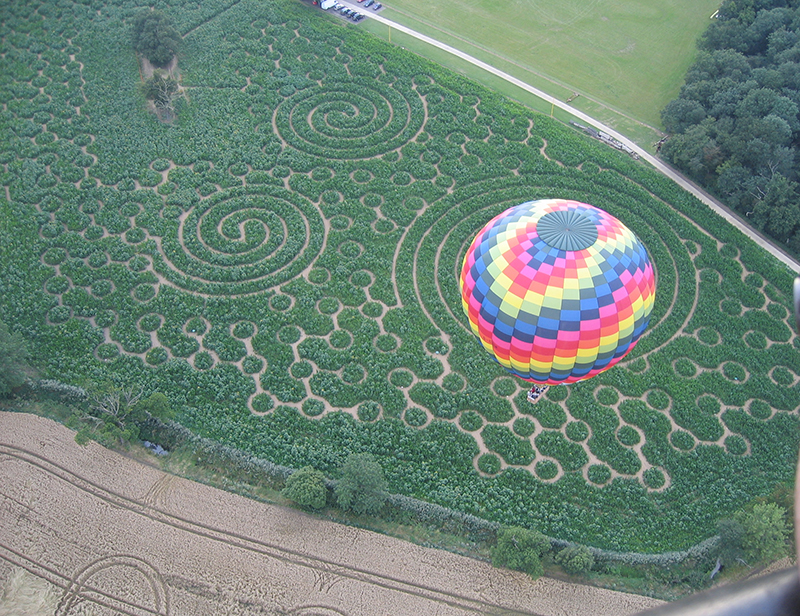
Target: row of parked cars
[348,12]
[355,15]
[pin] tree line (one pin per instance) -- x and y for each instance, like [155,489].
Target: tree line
[734,127]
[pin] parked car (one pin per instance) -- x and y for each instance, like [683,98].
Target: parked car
[360,17]
[355,16]
[369,3]
[376,6]
[346,11]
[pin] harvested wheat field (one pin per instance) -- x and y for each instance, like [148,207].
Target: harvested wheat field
[84,530]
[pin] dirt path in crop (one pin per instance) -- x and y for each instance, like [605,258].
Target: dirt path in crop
[93,529]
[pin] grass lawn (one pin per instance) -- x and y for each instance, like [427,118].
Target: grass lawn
[624,58]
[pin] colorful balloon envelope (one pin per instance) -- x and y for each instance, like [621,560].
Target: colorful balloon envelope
[557,291]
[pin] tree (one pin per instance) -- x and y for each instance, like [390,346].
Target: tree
[155,38]
[731,534]
[306,487]
[362,487]
[162,90]
[13,356]
[520,549]
[765,532]
[116,414]
[156,406]
[575,559]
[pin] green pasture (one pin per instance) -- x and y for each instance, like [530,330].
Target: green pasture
[626,59]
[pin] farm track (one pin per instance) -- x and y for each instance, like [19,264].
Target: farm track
[113,527]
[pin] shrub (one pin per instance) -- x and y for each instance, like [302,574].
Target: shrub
[453,382]
[340,339]
[520,549]
[658,399]
[501,440]
[252,364]
[764,532]
[685,368]
[575,559]
[289,334]
[386,343]
[243,329]
[306,487]
[734,371]
[157,355]
[362,487]
[760,409]
[557,394]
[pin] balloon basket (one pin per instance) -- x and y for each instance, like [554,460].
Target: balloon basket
[536,392]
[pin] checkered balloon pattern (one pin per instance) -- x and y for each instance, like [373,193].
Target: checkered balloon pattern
[557,291]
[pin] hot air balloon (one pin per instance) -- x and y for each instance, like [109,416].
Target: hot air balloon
[557,291]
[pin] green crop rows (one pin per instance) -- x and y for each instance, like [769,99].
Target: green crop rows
[282,263]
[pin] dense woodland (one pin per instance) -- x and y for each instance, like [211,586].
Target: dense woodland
[735,125]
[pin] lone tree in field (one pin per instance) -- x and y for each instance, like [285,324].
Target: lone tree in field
[13,355]
[155,37]
[306,487]
[521,549]
[362,487]
[162,90]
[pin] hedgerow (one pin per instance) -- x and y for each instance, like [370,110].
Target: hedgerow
[295,294]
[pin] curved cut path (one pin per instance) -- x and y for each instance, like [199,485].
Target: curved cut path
[101,531]
[660,165]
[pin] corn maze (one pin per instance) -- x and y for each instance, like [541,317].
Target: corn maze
[282,262]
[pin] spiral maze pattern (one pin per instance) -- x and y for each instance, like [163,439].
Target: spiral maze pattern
[359,120]
[242,241]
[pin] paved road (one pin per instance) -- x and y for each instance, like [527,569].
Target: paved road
[668,171]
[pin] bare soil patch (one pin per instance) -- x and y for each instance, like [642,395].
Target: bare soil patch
[107,533]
